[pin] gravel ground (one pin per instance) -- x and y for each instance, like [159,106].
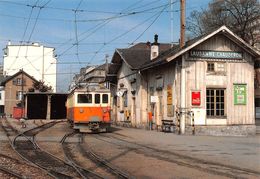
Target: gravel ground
[12,161]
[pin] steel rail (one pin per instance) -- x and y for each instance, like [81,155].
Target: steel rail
[9,130]
[85,173]
[98,159]
[189,161]
[54,166]
[12,173]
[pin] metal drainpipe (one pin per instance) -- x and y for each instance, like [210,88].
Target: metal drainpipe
[183,95]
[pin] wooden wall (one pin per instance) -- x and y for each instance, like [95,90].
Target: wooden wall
[240,72]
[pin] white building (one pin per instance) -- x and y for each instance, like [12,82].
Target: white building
[35,59]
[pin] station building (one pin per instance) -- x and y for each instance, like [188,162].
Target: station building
[211,77]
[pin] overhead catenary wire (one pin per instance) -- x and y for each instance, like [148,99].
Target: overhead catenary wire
[101,25]
[83,10]
[25,30]
[30,36]
[118,14]
[76,32]
[157,15]
[94,30]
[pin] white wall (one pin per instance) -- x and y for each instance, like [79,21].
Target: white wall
[2,94]
[36,60]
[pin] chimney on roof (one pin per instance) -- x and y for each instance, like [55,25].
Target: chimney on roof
[155,48]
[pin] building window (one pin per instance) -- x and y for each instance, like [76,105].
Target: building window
[84,98]
[154,54]
[216,67]
[125,99]
[215,102]
[221,67]
[19,82]
[19,95]
[159,83]
[210,66]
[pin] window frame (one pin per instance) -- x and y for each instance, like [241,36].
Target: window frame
[106,102]
[209,67]
[216,67]
[78,102]
[19,94]
[97,98]
[217,98]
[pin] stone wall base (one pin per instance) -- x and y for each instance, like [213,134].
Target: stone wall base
[232,130]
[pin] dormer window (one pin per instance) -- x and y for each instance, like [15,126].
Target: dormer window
[154,54]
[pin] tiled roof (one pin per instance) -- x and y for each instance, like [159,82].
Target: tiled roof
[8,78]
[139,54]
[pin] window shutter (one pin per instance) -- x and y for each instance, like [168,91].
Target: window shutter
[14,81]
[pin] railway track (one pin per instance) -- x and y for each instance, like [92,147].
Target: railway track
[183,160]
[12,167]
[8,129]
[84,173]
[7,173]
[98,164]
[28,149]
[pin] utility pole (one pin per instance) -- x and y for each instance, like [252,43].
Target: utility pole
[107,84]
[106,58]
[171,5]
[43,63]
[182,38]
[183,70]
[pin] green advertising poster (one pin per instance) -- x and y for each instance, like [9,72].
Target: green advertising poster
[240,94]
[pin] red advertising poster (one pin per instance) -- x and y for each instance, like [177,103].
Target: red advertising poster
[195,98]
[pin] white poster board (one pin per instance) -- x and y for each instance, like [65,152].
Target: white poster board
[154,99]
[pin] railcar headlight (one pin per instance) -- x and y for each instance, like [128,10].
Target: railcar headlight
[81,110]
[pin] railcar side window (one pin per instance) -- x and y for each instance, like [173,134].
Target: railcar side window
[84,98]
[105,98]
[97,98]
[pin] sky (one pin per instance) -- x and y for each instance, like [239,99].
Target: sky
[84,32]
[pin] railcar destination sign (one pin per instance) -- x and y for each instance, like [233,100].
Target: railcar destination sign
[215,54]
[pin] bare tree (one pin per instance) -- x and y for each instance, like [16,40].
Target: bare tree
[39,85]
[241,16]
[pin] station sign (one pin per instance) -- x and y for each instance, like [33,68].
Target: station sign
[216,54]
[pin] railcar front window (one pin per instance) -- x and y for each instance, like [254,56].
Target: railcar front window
[97,98]
[105,98]
[84,98]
